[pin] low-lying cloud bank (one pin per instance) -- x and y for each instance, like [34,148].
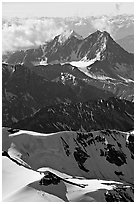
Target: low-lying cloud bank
[103,24]
[20,33]
[29,33]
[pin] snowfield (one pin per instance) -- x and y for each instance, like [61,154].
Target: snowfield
[23,185]
[67,166]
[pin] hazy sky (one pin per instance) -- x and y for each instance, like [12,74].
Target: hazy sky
[65,9]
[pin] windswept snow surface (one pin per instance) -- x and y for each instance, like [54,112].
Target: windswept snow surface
[98,154]
[84,62]
[17,181]
[23,185]
[67,166]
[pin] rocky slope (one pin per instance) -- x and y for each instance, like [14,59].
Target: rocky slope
[26,90]
[112,113]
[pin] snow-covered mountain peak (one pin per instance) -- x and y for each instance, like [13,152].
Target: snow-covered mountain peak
[105,33]
[67,34]
[99,35]
[66,47]
[98,32]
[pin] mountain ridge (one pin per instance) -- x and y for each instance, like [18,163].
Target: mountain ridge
[92,115]
[82,53]
[75,147]
[25,90]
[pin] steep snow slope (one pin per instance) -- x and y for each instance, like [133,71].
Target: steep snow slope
[24,185]
[105,154]
[17,181]
[11,172]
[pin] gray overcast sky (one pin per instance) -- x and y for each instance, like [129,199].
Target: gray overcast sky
[65,9]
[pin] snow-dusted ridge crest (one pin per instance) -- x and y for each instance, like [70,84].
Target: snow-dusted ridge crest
[19,132]
[67,34]
[105,154]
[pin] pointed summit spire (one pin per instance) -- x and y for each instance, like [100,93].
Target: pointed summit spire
[98,32]
[66,34]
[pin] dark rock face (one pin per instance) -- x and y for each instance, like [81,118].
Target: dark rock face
[130,144]
[120,194]
[49,178]
[82,137]
[115,157]
[4,153]
[82,116]
[81,157]
[12,131]
[119,173]
[55,50]
[66,147]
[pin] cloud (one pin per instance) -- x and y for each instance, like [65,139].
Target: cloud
[29,33]
[103,24]
[80,23]
[117,5]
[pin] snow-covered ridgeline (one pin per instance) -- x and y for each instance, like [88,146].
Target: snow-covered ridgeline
[91,155]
